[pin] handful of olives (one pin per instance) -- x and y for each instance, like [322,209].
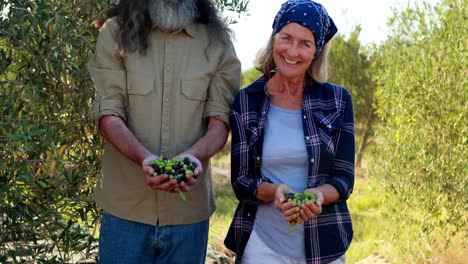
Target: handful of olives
[300,199]
[175,169]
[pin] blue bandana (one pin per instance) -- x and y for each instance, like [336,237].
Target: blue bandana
[308,14]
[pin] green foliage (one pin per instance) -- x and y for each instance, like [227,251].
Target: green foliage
[249,76]
[233,7]
[237,6]
[422,95]
[50,151]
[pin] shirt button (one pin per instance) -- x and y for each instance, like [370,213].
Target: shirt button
[168,67]
[307,138]
[258,158]
[311,160]
[304,117]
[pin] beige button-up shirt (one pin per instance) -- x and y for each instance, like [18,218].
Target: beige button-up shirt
[164,96]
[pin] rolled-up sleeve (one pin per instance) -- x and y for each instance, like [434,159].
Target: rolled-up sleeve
[224,85]
[108,73]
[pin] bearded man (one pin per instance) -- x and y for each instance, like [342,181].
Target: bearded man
[165,73]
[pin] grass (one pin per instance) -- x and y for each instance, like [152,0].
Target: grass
[370,228]
[226,204]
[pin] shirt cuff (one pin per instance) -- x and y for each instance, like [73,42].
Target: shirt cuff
[341,186]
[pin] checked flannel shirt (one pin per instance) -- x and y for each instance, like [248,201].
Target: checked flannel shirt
[328,124]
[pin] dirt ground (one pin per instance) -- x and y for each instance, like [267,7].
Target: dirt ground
[375,258]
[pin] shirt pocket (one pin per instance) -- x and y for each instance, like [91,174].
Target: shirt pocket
[195,89]
[327,128]
[139,83]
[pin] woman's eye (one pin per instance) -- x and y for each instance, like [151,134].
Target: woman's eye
[308,44]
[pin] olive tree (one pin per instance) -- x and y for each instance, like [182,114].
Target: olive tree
[350,66]
[423,103]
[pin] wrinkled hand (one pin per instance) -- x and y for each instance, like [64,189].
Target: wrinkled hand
[161,182]
[289,209]
[191,179]
[309,209]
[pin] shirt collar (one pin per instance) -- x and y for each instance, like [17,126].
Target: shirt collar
[258,86]
[189,29]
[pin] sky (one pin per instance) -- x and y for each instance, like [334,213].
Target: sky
[252,31]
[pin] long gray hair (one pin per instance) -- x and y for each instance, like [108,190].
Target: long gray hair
[135,23]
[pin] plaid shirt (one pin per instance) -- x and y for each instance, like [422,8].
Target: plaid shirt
[329,137]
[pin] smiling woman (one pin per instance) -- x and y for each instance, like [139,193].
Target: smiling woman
[293,50]
[291,101]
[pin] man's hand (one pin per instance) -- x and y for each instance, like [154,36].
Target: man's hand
[191,179]
[193,159]
[161,182]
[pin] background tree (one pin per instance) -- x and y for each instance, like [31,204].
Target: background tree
[350,67]
[422,143]
[50,151]
[249,76]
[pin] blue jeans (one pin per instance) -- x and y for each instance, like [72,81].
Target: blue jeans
[128,242]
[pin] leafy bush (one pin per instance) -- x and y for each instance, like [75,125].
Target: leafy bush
[49,149]
[422,96]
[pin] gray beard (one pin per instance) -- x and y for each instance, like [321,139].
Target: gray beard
[172,15]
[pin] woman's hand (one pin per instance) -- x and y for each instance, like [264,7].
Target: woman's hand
[289,209]
[309,209]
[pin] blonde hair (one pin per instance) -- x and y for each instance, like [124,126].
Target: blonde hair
[317,70]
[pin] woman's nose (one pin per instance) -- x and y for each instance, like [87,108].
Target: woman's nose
[293,50]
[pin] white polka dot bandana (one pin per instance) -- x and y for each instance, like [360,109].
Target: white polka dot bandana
[309,14]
